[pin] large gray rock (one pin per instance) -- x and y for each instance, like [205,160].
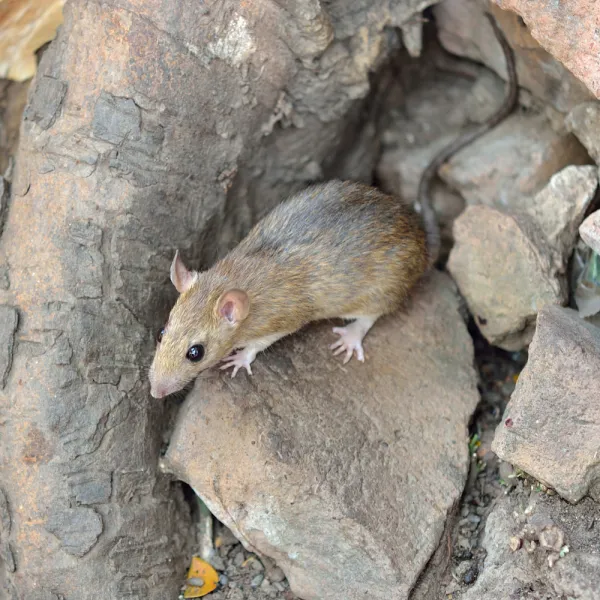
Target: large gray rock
[510,265]
[509,165]
[344,475]
[526,573]
[551,427]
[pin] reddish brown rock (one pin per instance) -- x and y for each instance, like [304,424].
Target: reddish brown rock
[343,475]
[568,30]
[464,30]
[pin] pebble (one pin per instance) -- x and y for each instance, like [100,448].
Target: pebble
[257,580]
[256,564]
[279,586]
[218,563]
[223,579]
[276,575]
[471,575]
[238,559]
[462,569]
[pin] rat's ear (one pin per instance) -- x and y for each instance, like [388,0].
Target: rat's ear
[233,306]
[181,277]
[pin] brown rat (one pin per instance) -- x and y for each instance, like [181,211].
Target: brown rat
[337,249]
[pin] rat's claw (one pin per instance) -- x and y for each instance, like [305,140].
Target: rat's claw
[350,342]
[237,361]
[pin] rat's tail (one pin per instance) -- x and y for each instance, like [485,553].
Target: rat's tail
[424,193]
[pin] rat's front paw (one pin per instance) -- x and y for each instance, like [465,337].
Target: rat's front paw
[350,342]
[242,358]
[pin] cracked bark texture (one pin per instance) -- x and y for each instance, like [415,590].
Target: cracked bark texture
[151,125]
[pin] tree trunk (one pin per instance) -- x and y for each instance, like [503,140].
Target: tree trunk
[151,125]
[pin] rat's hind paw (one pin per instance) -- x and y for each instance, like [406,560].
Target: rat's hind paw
[350,342]
[240,359]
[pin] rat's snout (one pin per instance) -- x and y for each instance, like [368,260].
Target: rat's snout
[162,386]
[158,391]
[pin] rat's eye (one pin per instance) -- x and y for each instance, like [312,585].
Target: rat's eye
[195,353]
[159,334]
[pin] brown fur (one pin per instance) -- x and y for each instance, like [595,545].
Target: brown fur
[337,249]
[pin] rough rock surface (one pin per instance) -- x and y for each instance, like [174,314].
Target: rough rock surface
[465,31]
[590,231]
[343,475]
[508,165]
[568,30]
[508,266]
[533,522]
[584,122]
[183,128]
[551,426]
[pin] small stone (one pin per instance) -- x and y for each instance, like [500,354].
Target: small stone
[471,575]
[238,559]
[255,564]
[276,575]
[278,585]
[217,562]
[257,580]
[223,579]
[552,558]
[552,538]
[530,546]
[195,581]
[515,543]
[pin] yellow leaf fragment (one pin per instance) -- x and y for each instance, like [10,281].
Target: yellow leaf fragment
[200,569]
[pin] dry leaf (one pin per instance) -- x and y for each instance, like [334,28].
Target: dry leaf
[200,569]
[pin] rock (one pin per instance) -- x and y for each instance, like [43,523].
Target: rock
[509,266]
[584,122]
[77,529]
[344,475]
[26,26]
[9,320]
[512,162]
[464,30]
[568,30]
[502,274]
[559,208]
[551,426]
[590,231]
[434,116]
[45,105]
[510,569]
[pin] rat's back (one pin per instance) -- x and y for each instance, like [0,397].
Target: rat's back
[355,249]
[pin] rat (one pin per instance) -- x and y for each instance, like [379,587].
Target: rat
[335,250]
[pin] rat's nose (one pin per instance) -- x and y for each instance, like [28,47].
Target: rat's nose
[158,391]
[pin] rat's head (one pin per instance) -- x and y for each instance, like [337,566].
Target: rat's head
[201,329]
